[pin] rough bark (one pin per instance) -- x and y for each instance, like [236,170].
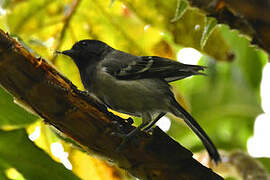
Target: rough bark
[54,98]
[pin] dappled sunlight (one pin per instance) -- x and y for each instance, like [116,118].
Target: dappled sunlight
[188,56]
[12,173]
[258,145]
[58,151]
[164,124]
[33,136]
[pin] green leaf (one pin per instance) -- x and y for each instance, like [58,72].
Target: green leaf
[208,29]
[4,3]
[266,163]
[3,176]
[3,167]
[33,163]
[230,178]
[227,101]
[11,115]
[186,31]
[181,8]
[249,59]
[224,105]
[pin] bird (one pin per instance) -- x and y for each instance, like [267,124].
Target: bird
[135,85]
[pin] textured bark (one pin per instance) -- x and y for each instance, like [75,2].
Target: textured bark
[55,99]
[251,17]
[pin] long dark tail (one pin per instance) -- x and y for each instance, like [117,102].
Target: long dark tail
[191,122]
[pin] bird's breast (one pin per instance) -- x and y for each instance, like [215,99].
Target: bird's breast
[129,96]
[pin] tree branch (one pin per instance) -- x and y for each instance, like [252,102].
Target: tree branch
[77,115]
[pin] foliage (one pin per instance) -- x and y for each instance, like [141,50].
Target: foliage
[225,103]
[35,164]
[11,115]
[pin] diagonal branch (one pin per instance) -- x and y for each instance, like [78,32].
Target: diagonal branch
[60,104]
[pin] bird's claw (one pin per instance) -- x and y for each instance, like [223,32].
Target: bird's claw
[118,127]
[149,130]
[125,142]
[126,139]
[119,134]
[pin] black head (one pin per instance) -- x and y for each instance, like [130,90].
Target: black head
[86,51]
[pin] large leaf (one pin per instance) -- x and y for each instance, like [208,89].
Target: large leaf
[3,167]
[189,30]
[33,163]
[11,115]
[226,109]
[227,101]
[3,176]
[249,59]
[88,167]
[266,163]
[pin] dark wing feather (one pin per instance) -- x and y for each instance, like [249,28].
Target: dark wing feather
[156,67]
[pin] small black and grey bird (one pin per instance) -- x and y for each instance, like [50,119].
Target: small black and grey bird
[135,85]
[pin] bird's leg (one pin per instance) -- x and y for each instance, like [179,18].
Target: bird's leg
[146,118]
[150,125]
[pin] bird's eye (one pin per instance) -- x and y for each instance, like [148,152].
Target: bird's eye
[83,43]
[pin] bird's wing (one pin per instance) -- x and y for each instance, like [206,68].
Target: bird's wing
[141,67]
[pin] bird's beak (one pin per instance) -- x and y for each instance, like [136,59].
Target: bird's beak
[67,52]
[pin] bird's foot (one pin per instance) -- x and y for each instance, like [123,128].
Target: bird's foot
[119,128]
[149,130]
[126,139]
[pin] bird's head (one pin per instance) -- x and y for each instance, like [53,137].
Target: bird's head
[87,51]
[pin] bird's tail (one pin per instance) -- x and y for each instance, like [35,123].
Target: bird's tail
[191,122]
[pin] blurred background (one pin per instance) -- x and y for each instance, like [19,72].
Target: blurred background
[231,103]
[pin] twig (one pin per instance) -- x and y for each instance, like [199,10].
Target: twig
[72,10]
